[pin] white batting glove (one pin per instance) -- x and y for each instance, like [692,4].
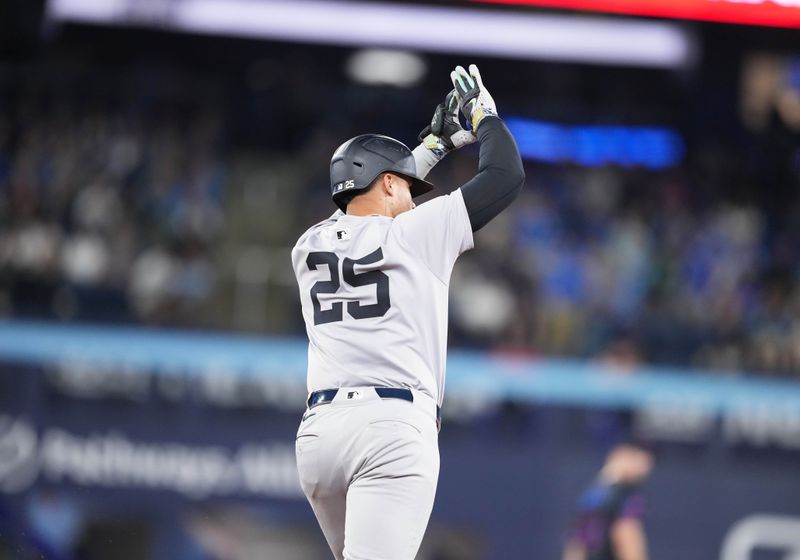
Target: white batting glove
[445,132]
[475,102]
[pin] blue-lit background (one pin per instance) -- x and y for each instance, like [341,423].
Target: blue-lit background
[158,162]
[597,146]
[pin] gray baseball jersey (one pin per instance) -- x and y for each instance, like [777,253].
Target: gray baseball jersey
[374,296]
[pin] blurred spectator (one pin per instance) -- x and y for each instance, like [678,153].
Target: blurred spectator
[88,194]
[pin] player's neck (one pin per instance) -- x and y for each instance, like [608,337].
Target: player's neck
[368,206]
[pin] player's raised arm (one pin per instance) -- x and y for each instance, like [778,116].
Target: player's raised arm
[500,173]
[628,539]
[443,135]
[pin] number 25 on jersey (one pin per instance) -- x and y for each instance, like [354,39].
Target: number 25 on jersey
[354,308]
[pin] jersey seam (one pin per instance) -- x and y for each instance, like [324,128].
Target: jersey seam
[306,234]
[465,211]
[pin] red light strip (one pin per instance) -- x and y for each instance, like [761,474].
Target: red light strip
[772,13]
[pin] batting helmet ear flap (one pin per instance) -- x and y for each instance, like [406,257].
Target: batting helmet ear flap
[358,162]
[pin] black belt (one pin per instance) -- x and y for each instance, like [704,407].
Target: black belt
[326,396]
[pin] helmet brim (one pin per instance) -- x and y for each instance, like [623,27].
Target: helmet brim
[418,186]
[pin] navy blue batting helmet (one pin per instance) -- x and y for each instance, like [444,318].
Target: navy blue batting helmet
[359,161]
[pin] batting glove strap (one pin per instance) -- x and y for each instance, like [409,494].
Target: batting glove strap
[435,144]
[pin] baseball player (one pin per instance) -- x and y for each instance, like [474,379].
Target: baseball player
[373,283]
[609,522]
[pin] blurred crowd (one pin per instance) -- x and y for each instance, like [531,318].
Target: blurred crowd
[119,207]
[595,257]
[109,208]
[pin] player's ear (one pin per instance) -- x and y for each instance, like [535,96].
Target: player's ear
[388,185]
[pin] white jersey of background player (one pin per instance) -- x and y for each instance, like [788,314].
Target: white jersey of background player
[373,285]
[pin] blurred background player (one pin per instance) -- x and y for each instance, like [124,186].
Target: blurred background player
[609,522]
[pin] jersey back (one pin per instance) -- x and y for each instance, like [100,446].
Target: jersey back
[374,294]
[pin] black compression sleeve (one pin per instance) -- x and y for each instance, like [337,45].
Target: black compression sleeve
[500,174]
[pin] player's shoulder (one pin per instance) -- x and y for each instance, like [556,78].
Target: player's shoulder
[441,203]
[434,213]
[316,230]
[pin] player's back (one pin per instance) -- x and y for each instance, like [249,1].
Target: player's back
[374,296]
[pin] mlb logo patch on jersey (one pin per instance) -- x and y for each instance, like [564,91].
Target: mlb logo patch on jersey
[342,234]
[353,395]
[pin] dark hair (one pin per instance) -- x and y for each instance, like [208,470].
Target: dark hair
[347,197]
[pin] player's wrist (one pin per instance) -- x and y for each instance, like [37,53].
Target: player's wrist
[479,113]
[483,127]
[424,160]
[438,146]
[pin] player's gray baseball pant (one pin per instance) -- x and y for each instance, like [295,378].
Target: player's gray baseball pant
[369,467]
